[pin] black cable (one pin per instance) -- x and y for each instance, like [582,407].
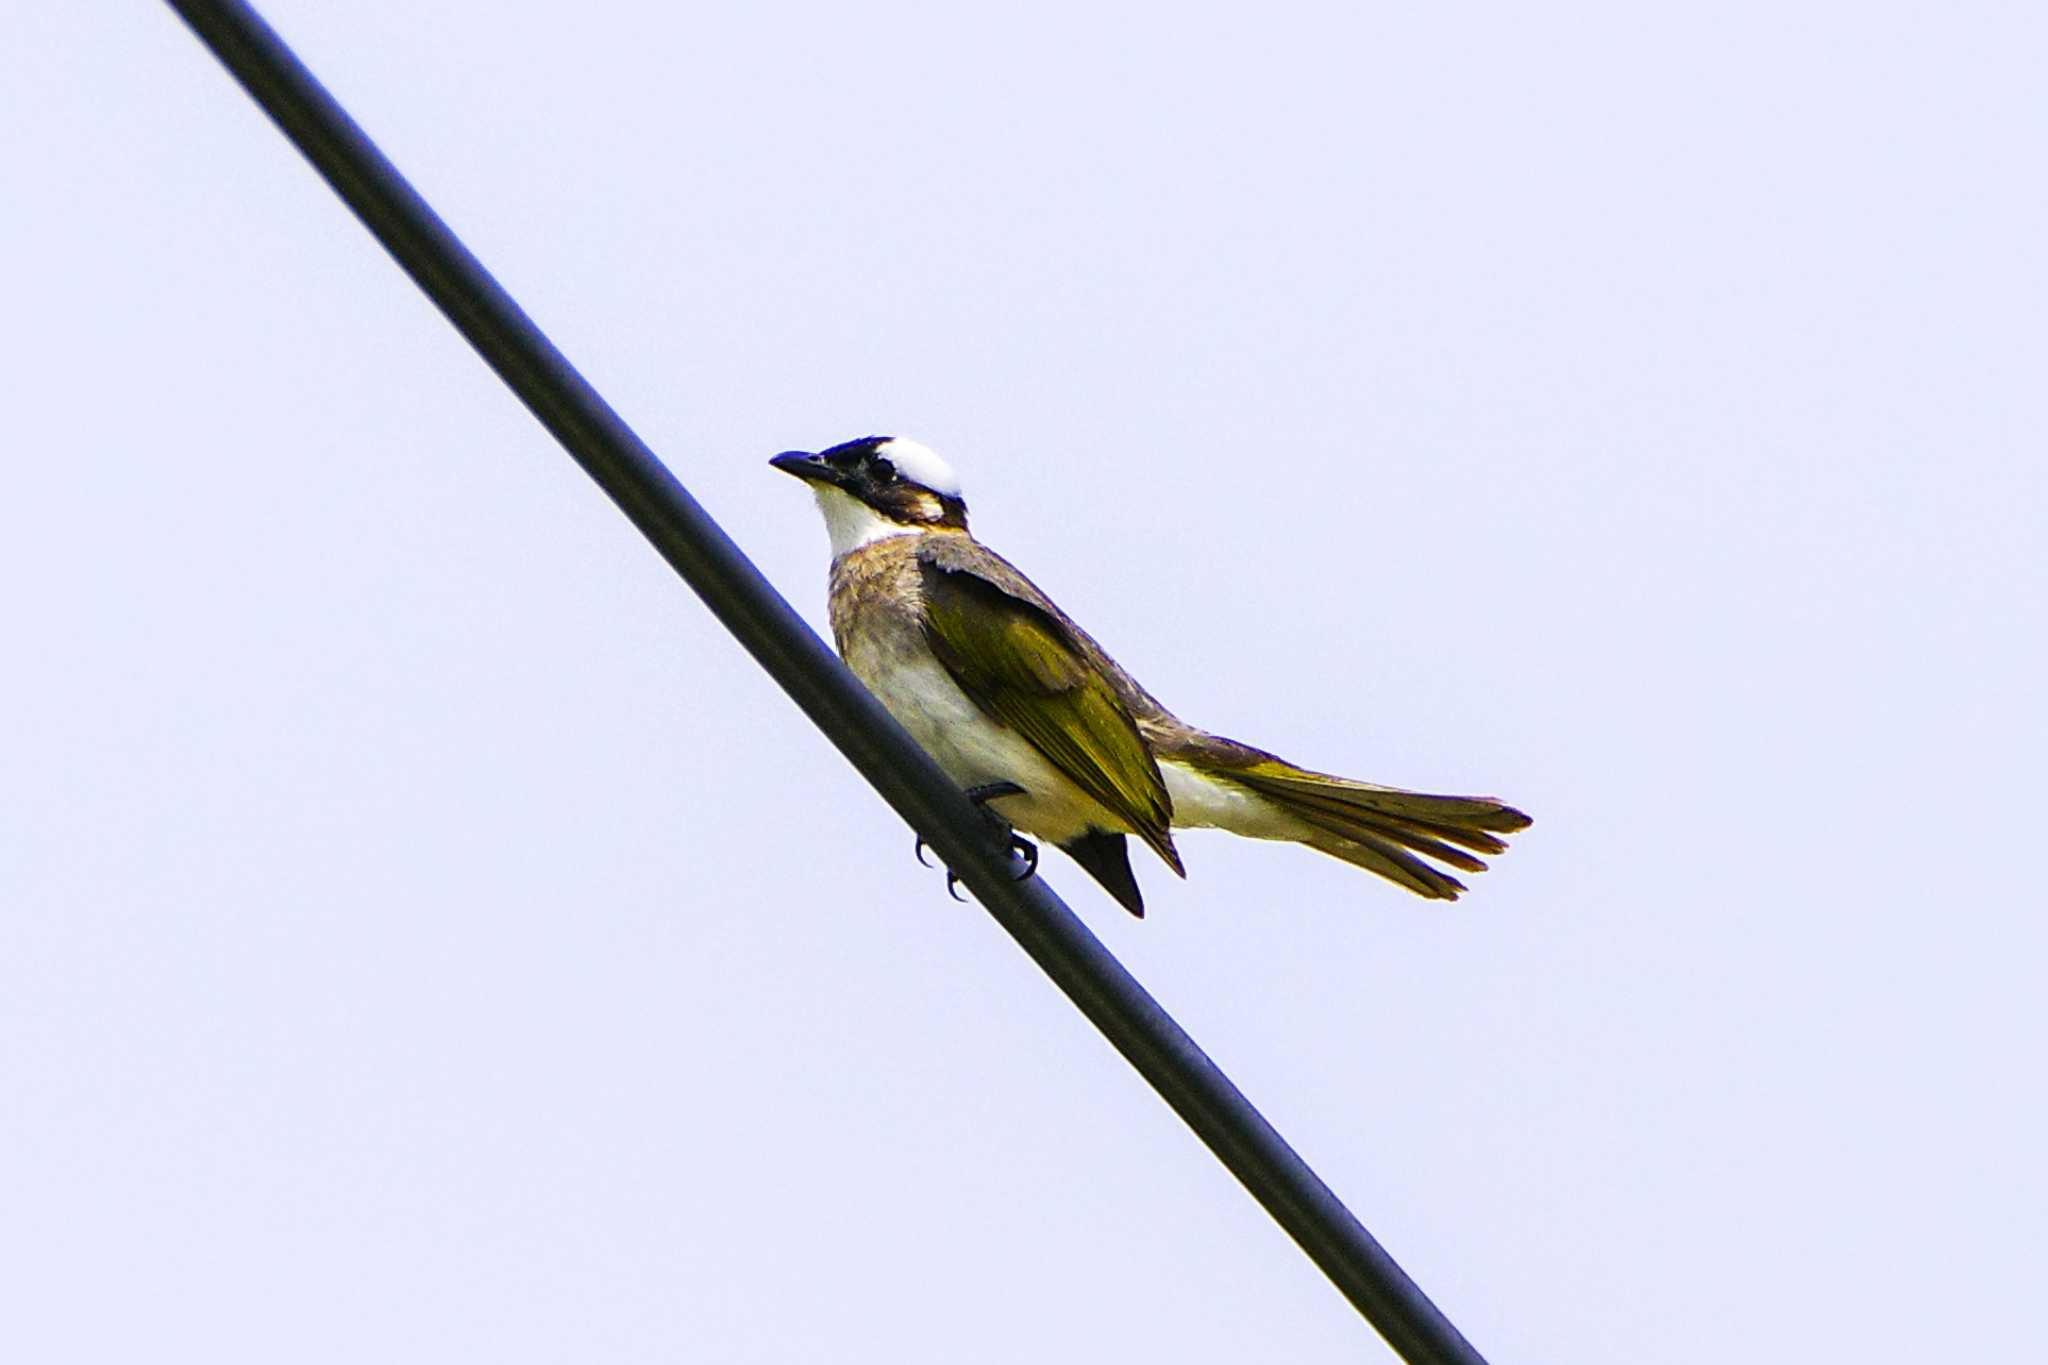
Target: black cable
[792,653]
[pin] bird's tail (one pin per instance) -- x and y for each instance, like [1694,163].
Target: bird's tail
[1384,829]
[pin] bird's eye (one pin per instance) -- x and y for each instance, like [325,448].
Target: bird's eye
[882,470]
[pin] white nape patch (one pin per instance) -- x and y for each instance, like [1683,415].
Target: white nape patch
[920,464]
[852,523]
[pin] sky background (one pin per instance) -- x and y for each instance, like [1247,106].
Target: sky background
[425,936]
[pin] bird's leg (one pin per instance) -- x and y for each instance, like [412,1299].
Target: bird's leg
[1020,848]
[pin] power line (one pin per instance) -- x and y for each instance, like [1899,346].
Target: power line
[778,638]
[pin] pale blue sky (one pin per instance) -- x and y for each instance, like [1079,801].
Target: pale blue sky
[424,935]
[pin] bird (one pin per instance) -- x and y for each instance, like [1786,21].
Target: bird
[1037,724]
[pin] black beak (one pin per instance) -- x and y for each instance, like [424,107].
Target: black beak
[807,467]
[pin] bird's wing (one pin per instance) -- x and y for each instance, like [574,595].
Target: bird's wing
[1019,664]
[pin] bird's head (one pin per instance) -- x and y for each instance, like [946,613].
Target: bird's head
[879,486]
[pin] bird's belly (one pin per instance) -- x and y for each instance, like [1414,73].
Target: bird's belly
[975,750]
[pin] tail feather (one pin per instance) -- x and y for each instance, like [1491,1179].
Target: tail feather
[1391,832]
[1384,858]
[1386,830]
[1422,829]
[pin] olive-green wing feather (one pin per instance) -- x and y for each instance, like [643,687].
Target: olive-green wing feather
[1020,666]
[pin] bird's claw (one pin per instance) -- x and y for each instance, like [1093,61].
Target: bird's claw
[992,791]
[1020,849]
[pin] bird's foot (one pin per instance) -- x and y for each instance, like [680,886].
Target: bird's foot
[981,796]
[1021,849]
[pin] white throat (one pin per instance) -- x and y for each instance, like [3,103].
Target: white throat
[852,523]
